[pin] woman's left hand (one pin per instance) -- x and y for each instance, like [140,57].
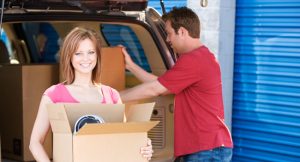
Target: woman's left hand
[147,151]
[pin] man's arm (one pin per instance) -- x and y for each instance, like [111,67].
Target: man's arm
[142,91]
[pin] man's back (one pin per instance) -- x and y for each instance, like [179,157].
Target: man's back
[199,111]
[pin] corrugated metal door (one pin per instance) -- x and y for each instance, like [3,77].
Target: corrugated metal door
[266,105]
[169,4]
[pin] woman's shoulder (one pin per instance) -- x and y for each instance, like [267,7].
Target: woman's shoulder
[110,93]
[106,87]
[59,93]
[55,88]
[55,91]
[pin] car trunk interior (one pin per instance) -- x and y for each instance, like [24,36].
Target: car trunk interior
[28,50]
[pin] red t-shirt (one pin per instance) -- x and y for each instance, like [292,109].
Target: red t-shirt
[195,80]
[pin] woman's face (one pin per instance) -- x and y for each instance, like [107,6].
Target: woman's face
[84,59]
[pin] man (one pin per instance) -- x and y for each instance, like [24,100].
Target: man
[200,133]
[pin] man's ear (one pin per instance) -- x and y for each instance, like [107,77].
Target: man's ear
[182,31]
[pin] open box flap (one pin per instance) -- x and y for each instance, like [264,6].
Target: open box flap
[58,118]
[63,116]
[109,112]
[109,128]
[139,112]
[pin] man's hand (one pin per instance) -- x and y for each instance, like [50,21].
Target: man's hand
[127,58]
[135,69]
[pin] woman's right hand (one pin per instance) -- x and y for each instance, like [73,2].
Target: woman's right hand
[147,151]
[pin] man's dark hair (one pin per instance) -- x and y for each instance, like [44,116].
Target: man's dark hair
[184,17]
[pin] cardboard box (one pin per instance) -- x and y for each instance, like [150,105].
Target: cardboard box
[112,141]
[21,89]
[113,67]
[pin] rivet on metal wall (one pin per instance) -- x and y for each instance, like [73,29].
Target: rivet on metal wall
[203,3]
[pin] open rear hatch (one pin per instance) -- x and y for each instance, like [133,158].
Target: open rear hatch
[91,5]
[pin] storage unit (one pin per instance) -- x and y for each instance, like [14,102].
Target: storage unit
[266,105]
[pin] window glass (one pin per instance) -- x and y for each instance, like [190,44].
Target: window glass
[6,41]
[6,52]
[48,40]
[120,34]
[42,41]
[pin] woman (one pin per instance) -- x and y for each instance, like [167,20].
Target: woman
[80,65]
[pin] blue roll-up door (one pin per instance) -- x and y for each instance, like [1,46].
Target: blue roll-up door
[169,4]
[266,101]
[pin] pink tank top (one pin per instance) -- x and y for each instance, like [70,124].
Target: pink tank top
[59,93]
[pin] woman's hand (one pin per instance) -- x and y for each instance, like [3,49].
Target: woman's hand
[147,151]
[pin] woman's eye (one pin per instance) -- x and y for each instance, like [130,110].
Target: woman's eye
[92,52]
[77,53]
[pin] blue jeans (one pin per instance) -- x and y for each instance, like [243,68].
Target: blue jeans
[219,154]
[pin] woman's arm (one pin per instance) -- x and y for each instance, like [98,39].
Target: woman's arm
[39,132]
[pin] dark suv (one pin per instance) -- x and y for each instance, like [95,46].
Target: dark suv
[32,31]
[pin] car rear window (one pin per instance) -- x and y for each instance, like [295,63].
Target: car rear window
[121,34]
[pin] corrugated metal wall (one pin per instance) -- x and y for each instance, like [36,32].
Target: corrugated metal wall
[169,4]
[266,104]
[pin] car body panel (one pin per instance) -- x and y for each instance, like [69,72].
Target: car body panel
[85,5]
